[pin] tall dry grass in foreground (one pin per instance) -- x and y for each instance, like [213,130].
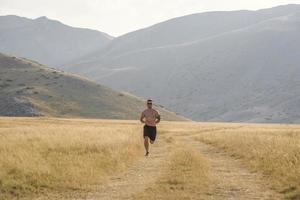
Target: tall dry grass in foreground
[44,155]
[38,155]
[186,177]
[273,150]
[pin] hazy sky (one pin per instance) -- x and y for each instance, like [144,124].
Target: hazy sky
[117,17]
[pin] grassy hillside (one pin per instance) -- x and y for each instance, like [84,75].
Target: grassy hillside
[30,89]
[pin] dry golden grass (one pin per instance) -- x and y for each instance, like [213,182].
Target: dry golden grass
[273,150]
[42,155]
[186,177]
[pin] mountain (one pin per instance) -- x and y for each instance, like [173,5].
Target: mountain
[216,66]
[47,41]
[183,30]
[28,88]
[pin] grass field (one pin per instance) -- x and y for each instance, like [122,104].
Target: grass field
[273,150]
[40,156]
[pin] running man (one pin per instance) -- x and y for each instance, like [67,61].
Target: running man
[150,117]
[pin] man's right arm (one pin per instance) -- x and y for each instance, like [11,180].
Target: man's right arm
[142,118]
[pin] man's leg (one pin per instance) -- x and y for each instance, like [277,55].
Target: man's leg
[146,144]
[153,135]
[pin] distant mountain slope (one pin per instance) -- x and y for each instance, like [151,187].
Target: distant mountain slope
[247,72]
[30,89]
[183,30]
[47,41]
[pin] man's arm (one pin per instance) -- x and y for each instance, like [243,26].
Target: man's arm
[157,120]
[142,118]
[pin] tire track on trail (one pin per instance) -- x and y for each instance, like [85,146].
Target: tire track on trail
[123,185]
[231,179]
[137,178]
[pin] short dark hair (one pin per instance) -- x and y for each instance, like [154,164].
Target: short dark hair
[149,100]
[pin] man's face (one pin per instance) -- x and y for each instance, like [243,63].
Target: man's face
[149,104]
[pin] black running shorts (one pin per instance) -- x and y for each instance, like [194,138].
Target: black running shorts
[150,131]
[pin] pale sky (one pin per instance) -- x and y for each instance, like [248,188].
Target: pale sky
[117,17]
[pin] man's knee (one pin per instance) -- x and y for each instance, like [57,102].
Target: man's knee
[151,141]
[146,138]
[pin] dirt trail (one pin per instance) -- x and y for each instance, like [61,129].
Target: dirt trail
[141,174]
[137,178]
[232,179]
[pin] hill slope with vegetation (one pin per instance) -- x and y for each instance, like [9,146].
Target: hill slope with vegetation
[31,89]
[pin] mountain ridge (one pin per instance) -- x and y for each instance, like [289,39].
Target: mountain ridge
[191,78]
[48,41]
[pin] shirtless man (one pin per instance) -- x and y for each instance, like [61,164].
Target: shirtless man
[150,117]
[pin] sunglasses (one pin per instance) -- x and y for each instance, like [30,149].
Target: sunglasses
[149,103]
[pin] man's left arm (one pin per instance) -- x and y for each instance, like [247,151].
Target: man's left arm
[157,120]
